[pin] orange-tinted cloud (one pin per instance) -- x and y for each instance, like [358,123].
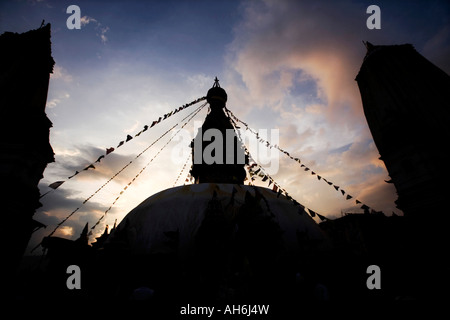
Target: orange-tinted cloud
[301,59]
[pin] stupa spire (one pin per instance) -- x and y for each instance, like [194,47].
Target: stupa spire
[217,154]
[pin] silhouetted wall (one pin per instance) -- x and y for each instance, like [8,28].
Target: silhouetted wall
[25,67]
[406,100]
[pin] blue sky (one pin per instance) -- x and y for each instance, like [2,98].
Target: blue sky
[288,65]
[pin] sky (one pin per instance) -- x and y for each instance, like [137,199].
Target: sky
[286,65]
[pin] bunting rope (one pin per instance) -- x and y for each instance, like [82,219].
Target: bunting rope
[55,185]
[260,172]
[117,173]
[277,188]
[233,118]
[194,113]
[182,170]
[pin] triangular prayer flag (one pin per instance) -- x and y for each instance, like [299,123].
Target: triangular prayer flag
[306,169]
[312,213]
[336,187]
[313,173]
[322,218]
[56,184]
[100,158]
[357,201]
[76,172]
[153,123]
[270,182]
[129,138]
[343,192]
[348,197]
[139,133]
[319,177]
[330,183]
[109,150]
[121,143]
[265,178]
[91,166]
[274,188]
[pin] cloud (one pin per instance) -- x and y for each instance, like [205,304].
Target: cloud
[277,39]
[299,60]
[281,47]
[200,81]
[102,30]
[68,162]
[59,73]
[53,103]
[133,128]
[57,206]
[102,34]
[60,203]
[86,20]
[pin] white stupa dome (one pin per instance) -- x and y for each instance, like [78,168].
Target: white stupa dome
[178,214]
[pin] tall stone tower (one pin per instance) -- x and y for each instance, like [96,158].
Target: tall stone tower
[406,101]
[25,151]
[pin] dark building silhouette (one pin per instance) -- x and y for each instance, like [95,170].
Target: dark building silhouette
[25,151]
[406,100]
[360,240]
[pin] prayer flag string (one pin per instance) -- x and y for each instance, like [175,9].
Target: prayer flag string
[182,169]
[256,169]
[191,115]
[57,184]
[194,113]
[305,168]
